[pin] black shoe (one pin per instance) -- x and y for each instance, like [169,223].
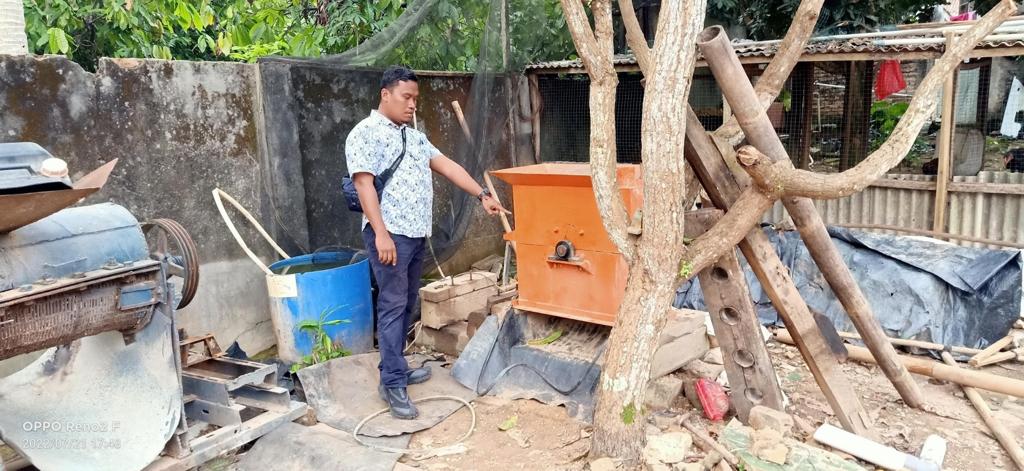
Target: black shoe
[398,401]
[418,375]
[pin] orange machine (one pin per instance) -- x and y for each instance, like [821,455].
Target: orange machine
[566,264]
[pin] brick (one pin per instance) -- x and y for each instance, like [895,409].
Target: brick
[501,298]
[439,314]
[448,288]
[762,417]
[662,392]
[680,351]
[449,340]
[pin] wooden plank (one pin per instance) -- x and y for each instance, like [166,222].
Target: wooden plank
[719,182]
[752,379]
[945,147]
[996,188]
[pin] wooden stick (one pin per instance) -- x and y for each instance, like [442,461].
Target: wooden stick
[977,379]
[991,350]
[999,431]
[725,66]
[945,146]
[708,442]
[917,343]
[993,359]
[462,120]
[723,188]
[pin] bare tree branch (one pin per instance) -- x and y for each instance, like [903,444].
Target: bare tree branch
[595,49]
[781,176]
[635,36]
[786,58]
[726,233]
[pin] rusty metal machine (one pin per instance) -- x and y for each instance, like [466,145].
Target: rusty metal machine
[88,299]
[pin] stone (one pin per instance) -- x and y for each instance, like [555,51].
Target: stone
[655,466]
[762,417]
[501,298]
[702,369]
[602,464]
[679,352]
[663,421]
[308,419]
[714,356]
[439,314]
[475,320]
[690,466]
[662,392]
[500,309]
[769,445]
[492,263]
[448,288]
[449,340]
[681,322]
[711,459]
[667,448]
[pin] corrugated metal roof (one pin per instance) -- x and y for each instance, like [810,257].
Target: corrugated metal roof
[761,49]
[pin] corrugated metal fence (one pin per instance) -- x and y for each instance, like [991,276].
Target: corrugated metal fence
[987,206]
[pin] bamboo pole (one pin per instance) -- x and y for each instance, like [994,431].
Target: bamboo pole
[917,343]
[991,350]
[999,431]
[997,358]
[725,66]
[945,147]
[977,379]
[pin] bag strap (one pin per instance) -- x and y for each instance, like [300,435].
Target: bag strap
[386,176]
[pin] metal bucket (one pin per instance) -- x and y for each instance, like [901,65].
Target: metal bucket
[321,287]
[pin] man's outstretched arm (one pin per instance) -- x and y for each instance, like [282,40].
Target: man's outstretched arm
[460,177]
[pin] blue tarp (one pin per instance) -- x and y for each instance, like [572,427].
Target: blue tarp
[918,288]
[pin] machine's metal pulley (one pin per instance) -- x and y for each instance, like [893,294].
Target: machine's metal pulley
[564,250]
[169,241]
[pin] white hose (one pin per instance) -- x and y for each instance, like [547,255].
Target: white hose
[427,451]
[217,194]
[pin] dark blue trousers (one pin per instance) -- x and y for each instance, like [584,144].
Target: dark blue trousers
[398,288]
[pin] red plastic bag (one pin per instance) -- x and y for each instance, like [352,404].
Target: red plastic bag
[713,399]
[889,80]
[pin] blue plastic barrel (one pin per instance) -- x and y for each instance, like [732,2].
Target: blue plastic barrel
[331,284]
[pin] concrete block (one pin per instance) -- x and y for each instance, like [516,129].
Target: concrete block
[667,448]
[501,297]
[682,322]
[448,288]
[476,319]
[439,314]
[449,340]
[673,355]
[662,392]
[762,417]
[702,369]
[501,309]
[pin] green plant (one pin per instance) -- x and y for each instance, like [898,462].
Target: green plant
[884,117]
[324,348]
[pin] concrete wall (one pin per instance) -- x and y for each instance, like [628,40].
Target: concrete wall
[178,130]
[271,135]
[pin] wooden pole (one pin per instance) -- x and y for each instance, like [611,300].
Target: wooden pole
[725,66]
[806,89]
[535,109]
[917,343]
[720,183]
[997,358]
[991,350]
[977,379]
[706,442]
[999,430]
[945,147]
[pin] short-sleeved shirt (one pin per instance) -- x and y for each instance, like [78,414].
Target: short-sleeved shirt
[407,203]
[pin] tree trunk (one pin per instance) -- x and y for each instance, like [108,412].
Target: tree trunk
[856,114]
[618,419]
[12,28]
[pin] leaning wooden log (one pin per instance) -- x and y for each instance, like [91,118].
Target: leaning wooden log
[999,431]
[747,363]
[723,190]
[977,379]
[725,66]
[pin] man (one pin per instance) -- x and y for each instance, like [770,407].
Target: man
[1013,160]
[395,227]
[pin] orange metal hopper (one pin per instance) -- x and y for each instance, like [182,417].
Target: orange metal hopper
[566,265]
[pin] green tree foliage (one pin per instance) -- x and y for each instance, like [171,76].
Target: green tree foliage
[769,19]
[244,30]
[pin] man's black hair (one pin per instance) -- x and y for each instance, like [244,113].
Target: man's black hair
[395,74]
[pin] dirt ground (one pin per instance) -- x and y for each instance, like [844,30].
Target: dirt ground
[545,438]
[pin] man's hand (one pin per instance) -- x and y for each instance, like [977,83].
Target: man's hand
[492,206]
[386,249]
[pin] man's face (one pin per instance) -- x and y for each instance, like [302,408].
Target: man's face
[399,102]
